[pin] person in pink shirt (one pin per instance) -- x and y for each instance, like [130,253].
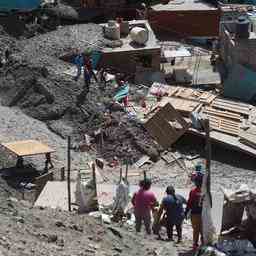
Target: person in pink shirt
[143,201]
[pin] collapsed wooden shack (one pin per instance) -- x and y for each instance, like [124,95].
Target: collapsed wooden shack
[23,176]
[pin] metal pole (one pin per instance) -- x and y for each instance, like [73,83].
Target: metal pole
[208,158]
[68,174]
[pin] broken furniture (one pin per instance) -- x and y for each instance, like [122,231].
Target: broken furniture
[166,126]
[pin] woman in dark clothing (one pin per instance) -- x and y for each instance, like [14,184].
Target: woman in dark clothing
[172,204]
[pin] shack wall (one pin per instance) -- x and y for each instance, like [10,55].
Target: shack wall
[127,61]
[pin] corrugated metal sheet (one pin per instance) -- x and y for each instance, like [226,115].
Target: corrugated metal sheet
[8,5]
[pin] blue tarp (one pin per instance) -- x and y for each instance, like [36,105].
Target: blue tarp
[8,5]
[241,83]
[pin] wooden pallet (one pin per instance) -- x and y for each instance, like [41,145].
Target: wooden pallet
[222,113]
[224,125]
[232,106]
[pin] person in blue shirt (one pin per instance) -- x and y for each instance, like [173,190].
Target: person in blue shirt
[172,205]
[79,62]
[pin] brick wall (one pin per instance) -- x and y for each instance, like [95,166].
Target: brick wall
[186,23]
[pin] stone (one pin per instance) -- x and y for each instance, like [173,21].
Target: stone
[61,242]
[59,224]
[52,238]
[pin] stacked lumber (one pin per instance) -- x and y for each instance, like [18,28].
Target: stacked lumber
[232,106]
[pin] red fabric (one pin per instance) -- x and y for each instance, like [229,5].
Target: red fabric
[194,195]
[126,101]
[88,64]
[143,201]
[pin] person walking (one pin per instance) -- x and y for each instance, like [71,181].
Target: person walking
[172,204]
[143,201]
[194,206]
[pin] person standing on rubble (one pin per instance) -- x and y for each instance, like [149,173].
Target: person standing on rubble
[79,62]
[143,201]
[172,204]
[194,206]
[89,66]
[87,79]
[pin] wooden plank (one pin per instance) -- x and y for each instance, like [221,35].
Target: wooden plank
[28,148]
[231,107]
[248,139]
[238,103]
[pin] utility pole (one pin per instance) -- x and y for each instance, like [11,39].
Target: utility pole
[68,174]
[208,158]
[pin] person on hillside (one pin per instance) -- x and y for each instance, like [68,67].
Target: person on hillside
[88,64]
[172,204]
[194,206]
[122,95]
[87,79]
[79,62]
[143,201]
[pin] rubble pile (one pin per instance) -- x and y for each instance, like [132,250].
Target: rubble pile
[35,80]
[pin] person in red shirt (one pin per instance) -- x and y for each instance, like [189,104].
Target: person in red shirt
[194,205]
[89,66]
[143,201]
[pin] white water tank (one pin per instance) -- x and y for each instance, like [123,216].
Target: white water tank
[139,35]
[112,30]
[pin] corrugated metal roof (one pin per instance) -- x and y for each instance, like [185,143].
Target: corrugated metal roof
[8,5]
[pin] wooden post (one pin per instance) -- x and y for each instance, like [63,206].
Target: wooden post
[208,158]
[126,170]
[62,173]
[121,174]
[68,174]
[145,175]
[101,139]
